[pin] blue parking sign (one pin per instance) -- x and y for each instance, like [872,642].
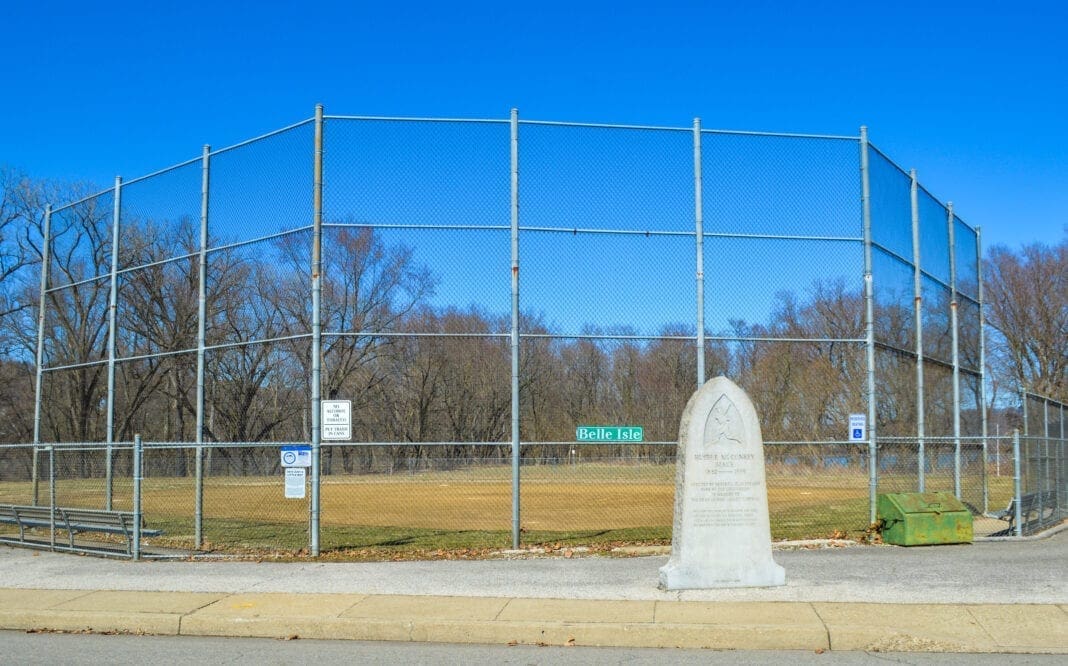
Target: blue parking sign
[858,427]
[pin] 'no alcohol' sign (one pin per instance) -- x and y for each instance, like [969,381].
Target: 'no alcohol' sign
[336,423]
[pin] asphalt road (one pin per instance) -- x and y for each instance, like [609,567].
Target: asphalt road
[48,649]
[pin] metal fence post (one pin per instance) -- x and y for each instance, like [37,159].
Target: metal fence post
[1047,459]
[113,297]
[982,364]
[516,525]
[1017,488]
[1062,470]
[1023,409]
[46,246]
[1026,417]
[202,326]
[917,288]
[1045,418]
[52,494]
[869,320]
[317,330]
[954,334]
[699,232]
[137,517]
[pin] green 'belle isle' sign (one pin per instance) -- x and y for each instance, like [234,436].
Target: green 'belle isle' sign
[609,434]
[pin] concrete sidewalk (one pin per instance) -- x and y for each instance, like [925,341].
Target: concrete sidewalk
[494,620]
[986,597]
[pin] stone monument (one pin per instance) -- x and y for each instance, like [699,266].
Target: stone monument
[722,534]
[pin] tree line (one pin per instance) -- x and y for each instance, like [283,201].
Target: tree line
[420,373]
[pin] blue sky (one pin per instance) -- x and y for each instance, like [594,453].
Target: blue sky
[971,94]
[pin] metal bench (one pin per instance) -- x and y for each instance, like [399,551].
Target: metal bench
[1031,504]
[73,521]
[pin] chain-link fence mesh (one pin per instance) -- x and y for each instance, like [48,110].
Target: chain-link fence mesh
[625,290]
[1043,462]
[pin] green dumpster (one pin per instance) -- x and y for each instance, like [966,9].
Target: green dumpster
[920,519]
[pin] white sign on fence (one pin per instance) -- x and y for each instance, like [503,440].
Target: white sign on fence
[336,423]
[295,482]
[296,456]
[858,427]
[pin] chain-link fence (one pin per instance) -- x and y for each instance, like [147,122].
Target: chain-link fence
[1042,487]
[427,496]
[479,289]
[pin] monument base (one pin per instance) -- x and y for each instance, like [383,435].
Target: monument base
[677,576]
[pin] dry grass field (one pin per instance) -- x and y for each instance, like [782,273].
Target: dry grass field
[584,503]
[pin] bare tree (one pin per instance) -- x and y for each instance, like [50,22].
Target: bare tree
[1027,304]
[158,314]
[475,386]
[539,372]
[586,380]
[76,319]
[410,400]
[20,211]
[667,377]
[368,287]
[252,392]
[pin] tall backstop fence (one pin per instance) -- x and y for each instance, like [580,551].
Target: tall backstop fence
[485,291]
